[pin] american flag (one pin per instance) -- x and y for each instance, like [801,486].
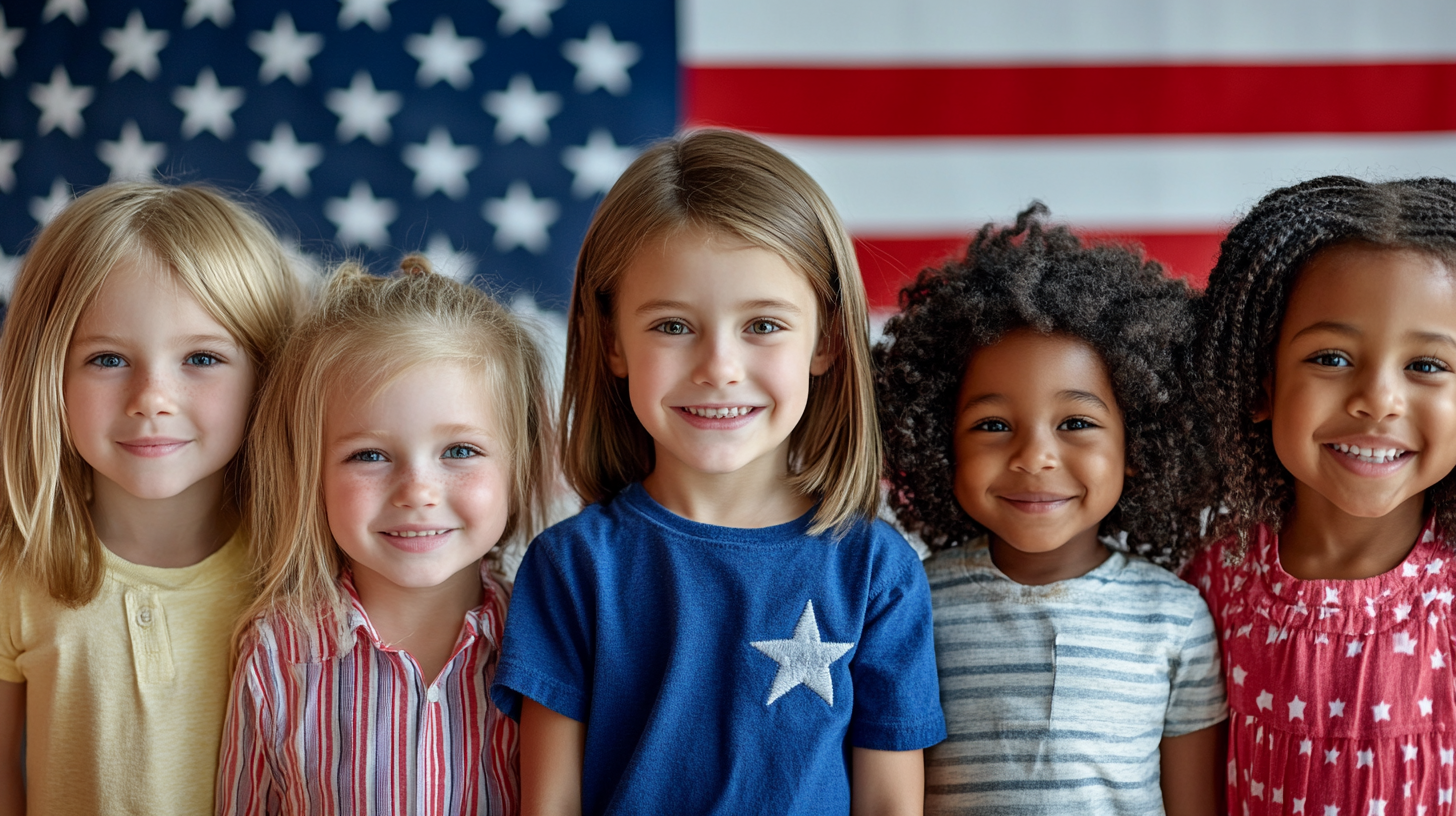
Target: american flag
[485,131]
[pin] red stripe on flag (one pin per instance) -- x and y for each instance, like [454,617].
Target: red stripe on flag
[887,264]
[1080,100]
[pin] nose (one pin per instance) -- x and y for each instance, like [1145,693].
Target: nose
[719,360]
[416,487]
[1034,451]
[1378,394]
[154,393]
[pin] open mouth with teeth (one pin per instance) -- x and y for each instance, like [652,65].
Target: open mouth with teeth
[1374,456]
[719,413]
[416,533]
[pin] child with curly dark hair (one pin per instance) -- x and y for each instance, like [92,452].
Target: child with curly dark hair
[1327,352]
[1036,426]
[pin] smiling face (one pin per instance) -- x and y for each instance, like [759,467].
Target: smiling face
[157,392]
[1038,444]
[416,478]
[717,340]
[1363,398]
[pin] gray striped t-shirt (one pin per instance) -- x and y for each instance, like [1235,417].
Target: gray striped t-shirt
[1057,696]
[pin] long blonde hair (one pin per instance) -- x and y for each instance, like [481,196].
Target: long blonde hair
[227,259]
[730,183]
[367,331]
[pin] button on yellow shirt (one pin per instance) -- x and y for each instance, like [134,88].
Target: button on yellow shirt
[125,697]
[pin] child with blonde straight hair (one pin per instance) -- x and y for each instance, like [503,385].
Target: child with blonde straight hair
[406,433]
[143,317]
[726,628]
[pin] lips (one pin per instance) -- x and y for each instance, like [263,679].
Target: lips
[718,417]
[152,447]
[418,539]
[1036,502]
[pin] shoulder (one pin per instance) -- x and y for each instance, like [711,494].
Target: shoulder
[1142,578]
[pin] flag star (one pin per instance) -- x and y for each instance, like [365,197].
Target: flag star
[1445,596]
[597,164]
[601,61]
[532,15]
[1239,675]
[9,40]
[1443,796]
[444,55]
[9,153]
[803,660]
[1332,597]
[1306,746]
[9,266]
[440,164]
[1364,758]
[1298,805]
[361,218]
[285,51]
[1296,708]
[1381,711]
[1265,700]
[1353,648]
[1438,660]
[220,12]
[1332,755]
[75,9]
[1434,568]
[448,261]
[1425,704]
[130,157]
[373,12]
[522,112]
[1448,755]
[134,48]
[1277,796]
[1256,789]
[208,106]
[1409,752]
[44,209]
[1403,643]
[362,110]
[521,219]
[60,104]
[1402,612]
[1377,807]
[1409,570]
[1337,708]
[1332,810]
[283,162]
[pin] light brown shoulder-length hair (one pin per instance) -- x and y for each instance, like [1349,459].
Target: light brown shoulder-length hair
[225,256]
[365,332]
[730,183]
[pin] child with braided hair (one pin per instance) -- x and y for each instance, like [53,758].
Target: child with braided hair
[1327,354]
[1035,422]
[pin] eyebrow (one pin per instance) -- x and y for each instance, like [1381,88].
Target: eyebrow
[442,430]
[1071,394]
[662,305]
[1347,329]
[190,340]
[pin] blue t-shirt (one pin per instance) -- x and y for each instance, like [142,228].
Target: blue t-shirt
[721,669]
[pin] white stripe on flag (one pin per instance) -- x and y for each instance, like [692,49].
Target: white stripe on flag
[948,186]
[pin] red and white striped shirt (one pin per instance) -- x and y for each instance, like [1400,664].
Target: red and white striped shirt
[318,728]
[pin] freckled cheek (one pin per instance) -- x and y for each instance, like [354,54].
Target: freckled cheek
[482,497]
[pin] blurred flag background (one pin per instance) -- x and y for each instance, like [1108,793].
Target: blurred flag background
[485,131]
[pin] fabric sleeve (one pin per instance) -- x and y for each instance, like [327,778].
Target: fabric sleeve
[246,783]
[1196,698]
[10,637]
[896,690]
[545,653]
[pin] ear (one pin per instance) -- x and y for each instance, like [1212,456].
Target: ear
[1261,408]
[616,360]
[825,354]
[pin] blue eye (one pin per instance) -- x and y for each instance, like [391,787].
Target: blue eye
[764,327]
[459,452]
[108,361]
[672,327]
[1330,359]
[1427,365]
[1076,424]
[991,425]
[367,456]
[202,360]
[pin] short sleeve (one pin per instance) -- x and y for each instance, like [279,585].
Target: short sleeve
[1196,698]
[545,653]
[896,690]
[10,634]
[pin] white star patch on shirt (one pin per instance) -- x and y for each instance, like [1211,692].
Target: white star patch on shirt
[804,659]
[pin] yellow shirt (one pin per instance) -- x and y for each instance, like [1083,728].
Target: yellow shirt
[125,697]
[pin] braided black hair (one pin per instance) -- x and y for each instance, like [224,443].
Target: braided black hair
[1248,292]
[1035,276]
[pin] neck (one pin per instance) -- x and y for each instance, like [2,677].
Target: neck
[177,531]
[757,495]
[1079,556]
[1321,541]
[423,621]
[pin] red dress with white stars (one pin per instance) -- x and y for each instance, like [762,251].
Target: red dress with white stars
[1341,697]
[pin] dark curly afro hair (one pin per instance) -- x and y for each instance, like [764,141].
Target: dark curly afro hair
[1244,305]
[1041,277]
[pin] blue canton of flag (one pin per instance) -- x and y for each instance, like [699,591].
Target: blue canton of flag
[481,131]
